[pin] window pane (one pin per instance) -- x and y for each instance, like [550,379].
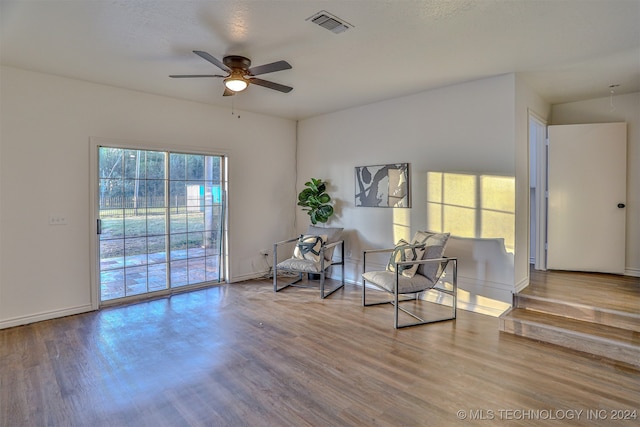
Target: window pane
[154,165]
[157,276]
[136,280]
[112,284]
[177,196]
[195,167]
[135,226]
[212,169]
[110,191]
[131,164]
[196,245]
[195,196]
[112,225]
[212,271]
[110,162]
[195,221]
[135,251]
[157,249]
[213,248]
[179,245]
[179,273]
[213,194]
[178,166]
[196,270]
[178,223]
[156,224]
[213,218]
[111,254]
[155,193]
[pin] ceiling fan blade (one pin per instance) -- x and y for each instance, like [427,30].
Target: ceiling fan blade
[182,76]
[228,92]
[214,61]
[271,85]
[269,68]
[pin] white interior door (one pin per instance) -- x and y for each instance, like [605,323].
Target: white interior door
[587,194]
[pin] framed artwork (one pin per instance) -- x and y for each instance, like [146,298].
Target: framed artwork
[383,186]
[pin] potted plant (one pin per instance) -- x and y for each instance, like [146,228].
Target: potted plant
[315,201]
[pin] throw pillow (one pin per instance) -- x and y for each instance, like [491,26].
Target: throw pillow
[404,251]
[334,234]
[431,238]
[308,247]
[435,244]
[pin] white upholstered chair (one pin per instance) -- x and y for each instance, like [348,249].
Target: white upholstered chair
[313,254]
[414,268]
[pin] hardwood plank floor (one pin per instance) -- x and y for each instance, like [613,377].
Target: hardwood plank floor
[609,291]
[241,355]
[595,313]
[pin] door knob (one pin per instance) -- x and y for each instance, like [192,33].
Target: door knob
[621,205]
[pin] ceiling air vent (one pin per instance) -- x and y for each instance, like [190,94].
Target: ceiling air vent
[330,22]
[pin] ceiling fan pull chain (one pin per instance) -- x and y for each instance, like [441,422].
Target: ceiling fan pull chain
[611,93]
[233,103]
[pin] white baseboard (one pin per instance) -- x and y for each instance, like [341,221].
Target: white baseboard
[249,276]
[635,272]
[47,315]
[521,285]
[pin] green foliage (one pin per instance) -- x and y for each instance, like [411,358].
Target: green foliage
[130,173]
[315,201]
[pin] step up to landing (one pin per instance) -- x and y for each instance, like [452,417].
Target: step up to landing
[613,342]
[609,316]
[596,313]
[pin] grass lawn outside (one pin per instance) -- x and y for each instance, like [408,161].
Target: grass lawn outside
[130,234]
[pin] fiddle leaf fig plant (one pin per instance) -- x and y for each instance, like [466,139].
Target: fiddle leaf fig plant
[315,201]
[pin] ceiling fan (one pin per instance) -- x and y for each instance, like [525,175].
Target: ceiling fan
[239,74]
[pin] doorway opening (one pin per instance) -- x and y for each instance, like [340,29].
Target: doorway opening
[538,191]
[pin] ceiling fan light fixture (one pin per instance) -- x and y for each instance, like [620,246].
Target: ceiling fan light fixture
[236,82]
[240,75]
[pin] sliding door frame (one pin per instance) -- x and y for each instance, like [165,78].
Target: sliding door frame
[94,145]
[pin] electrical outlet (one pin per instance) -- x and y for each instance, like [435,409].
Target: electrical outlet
[57,219]
[349,253]
[264,252]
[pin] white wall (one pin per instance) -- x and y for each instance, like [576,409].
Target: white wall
[626,108]
[472,132]
[467,129]
[45,126]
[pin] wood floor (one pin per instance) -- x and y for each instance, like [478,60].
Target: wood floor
[241,355]
[611,291]
[591,312]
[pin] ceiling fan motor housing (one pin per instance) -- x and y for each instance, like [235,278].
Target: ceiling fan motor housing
[235,61]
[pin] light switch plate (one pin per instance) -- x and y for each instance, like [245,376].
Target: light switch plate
[57,219]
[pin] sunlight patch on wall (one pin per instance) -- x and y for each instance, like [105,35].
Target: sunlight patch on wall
[472,205]
[401,224]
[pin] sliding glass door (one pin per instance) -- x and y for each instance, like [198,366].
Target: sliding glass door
[161,220]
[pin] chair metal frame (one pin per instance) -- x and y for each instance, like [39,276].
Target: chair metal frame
[396,294]
[322,272]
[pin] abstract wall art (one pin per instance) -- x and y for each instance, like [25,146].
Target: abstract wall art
[383,186]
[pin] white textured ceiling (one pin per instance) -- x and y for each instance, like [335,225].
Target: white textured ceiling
[566,50]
